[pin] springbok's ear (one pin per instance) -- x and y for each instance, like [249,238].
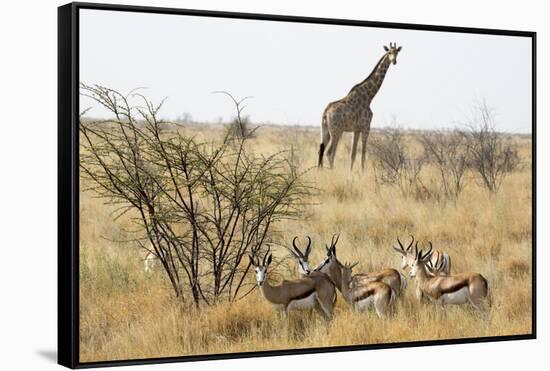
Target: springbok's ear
[399,49]
[386,48]
[268,260]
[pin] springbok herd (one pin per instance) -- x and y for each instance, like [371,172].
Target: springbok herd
[316,289]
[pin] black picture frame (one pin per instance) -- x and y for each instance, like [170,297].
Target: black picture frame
[68,181]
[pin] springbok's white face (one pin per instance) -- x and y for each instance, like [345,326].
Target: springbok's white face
[301,256]
[404,262]
[393,50]
[420,259]
[407,254]
[260,269]
[407,260]
[260,274]
[414,268]
[303,267]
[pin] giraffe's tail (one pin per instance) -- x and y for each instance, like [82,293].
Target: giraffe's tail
[325,137]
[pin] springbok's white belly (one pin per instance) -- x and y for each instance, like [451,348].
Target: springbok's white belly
[458,297]
[305,303]
[364,304]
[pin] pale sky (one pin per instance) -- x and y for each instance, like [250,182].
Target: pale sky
[293,70]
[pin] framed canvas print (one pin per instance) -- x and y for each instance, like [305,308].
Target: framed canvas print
[236,185]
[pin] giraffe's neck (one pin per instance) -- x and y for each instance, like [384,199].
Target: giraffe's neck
[372,83]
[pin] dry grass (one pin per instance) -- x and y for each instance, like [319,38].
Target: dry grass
[126,314]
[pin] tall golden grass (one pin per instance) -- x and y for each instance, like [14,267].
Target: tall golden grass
[128,314]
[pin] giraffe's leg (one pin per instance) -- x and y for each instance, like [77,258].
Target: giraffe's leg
[355,139]
[325,137]
[364,137]
[334,139]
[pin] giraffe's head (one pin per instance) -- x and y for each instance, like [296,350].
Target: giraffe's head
[392,52]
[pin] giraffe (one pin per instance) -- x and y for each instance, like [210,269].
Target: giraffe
[352,113]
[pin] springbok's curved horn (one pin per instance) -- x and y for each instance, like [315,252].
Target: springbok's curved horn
[298,253]
[334,242]
[252,259]
[292,252]
[441,263]
[308,248]
[429,253]
[400,244]
[429,265]
[266,254]
[401,249]
[410,244]
[398,250]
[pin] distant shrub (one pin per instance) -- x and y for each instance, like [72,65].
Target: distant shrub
[395,163]
[492,155]
[449,152]
[240,128]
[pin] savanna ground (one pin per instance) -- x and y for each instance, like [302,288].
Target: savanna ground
[128,314]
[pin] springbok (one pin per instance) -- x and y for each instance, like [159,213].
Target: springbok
[361,296]
[301,257]
[438,258]
[391,277]
[459,288]
[313,291]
